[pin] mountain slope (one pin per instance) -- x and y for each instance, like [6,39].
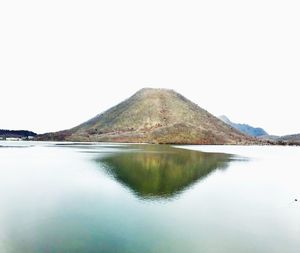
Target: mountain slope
[154,116]
[245,128]
[4,133]
[290,139]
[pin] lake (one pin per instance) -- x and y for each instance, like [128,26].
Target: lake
[70,197]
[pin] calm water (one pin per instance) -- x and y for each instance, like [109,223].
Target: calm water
[146,198]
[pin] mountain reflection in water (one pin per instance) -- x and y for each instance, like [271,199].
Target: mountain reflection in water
[161,172]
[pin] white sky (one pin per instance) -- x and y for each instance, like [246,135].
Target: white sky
[63,62]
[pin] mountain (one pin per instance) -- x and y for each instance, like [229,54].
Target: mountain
[290,139]
[154,116]
[269,137]
[247,129]
[15,133]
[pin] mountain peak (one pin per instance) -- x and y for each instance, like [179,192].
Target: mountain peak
[245,128]
[154,116]
[225,119]
[151,91]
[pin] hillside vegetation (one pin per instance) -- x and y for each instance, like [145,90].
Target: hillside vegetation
[4,133]
[154,116]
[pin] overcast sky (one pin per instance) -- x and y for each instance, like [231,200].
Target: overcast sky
[63,62]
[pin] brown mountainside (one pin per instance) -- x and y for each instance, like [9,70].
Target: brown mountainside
[154,116]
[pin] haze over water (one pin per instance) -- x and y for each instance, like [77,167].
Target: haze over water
[148,198]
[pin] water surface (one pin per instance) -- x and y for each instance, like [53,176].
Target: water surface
[148,198]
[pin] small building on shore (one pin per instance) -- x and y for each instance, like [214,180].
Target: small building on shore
[13,139]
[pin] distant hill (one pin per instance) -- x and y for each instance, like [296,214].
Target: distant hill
[260,133]
[289,139]
[292,139]
[245,128]
[154,116]
[15,133]
[269,137]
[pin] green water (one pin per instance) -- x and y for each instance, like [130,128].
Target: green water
[161,172]
[147,198]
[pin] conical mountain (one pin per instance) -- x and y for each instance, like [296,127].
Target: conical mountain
[154,116]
